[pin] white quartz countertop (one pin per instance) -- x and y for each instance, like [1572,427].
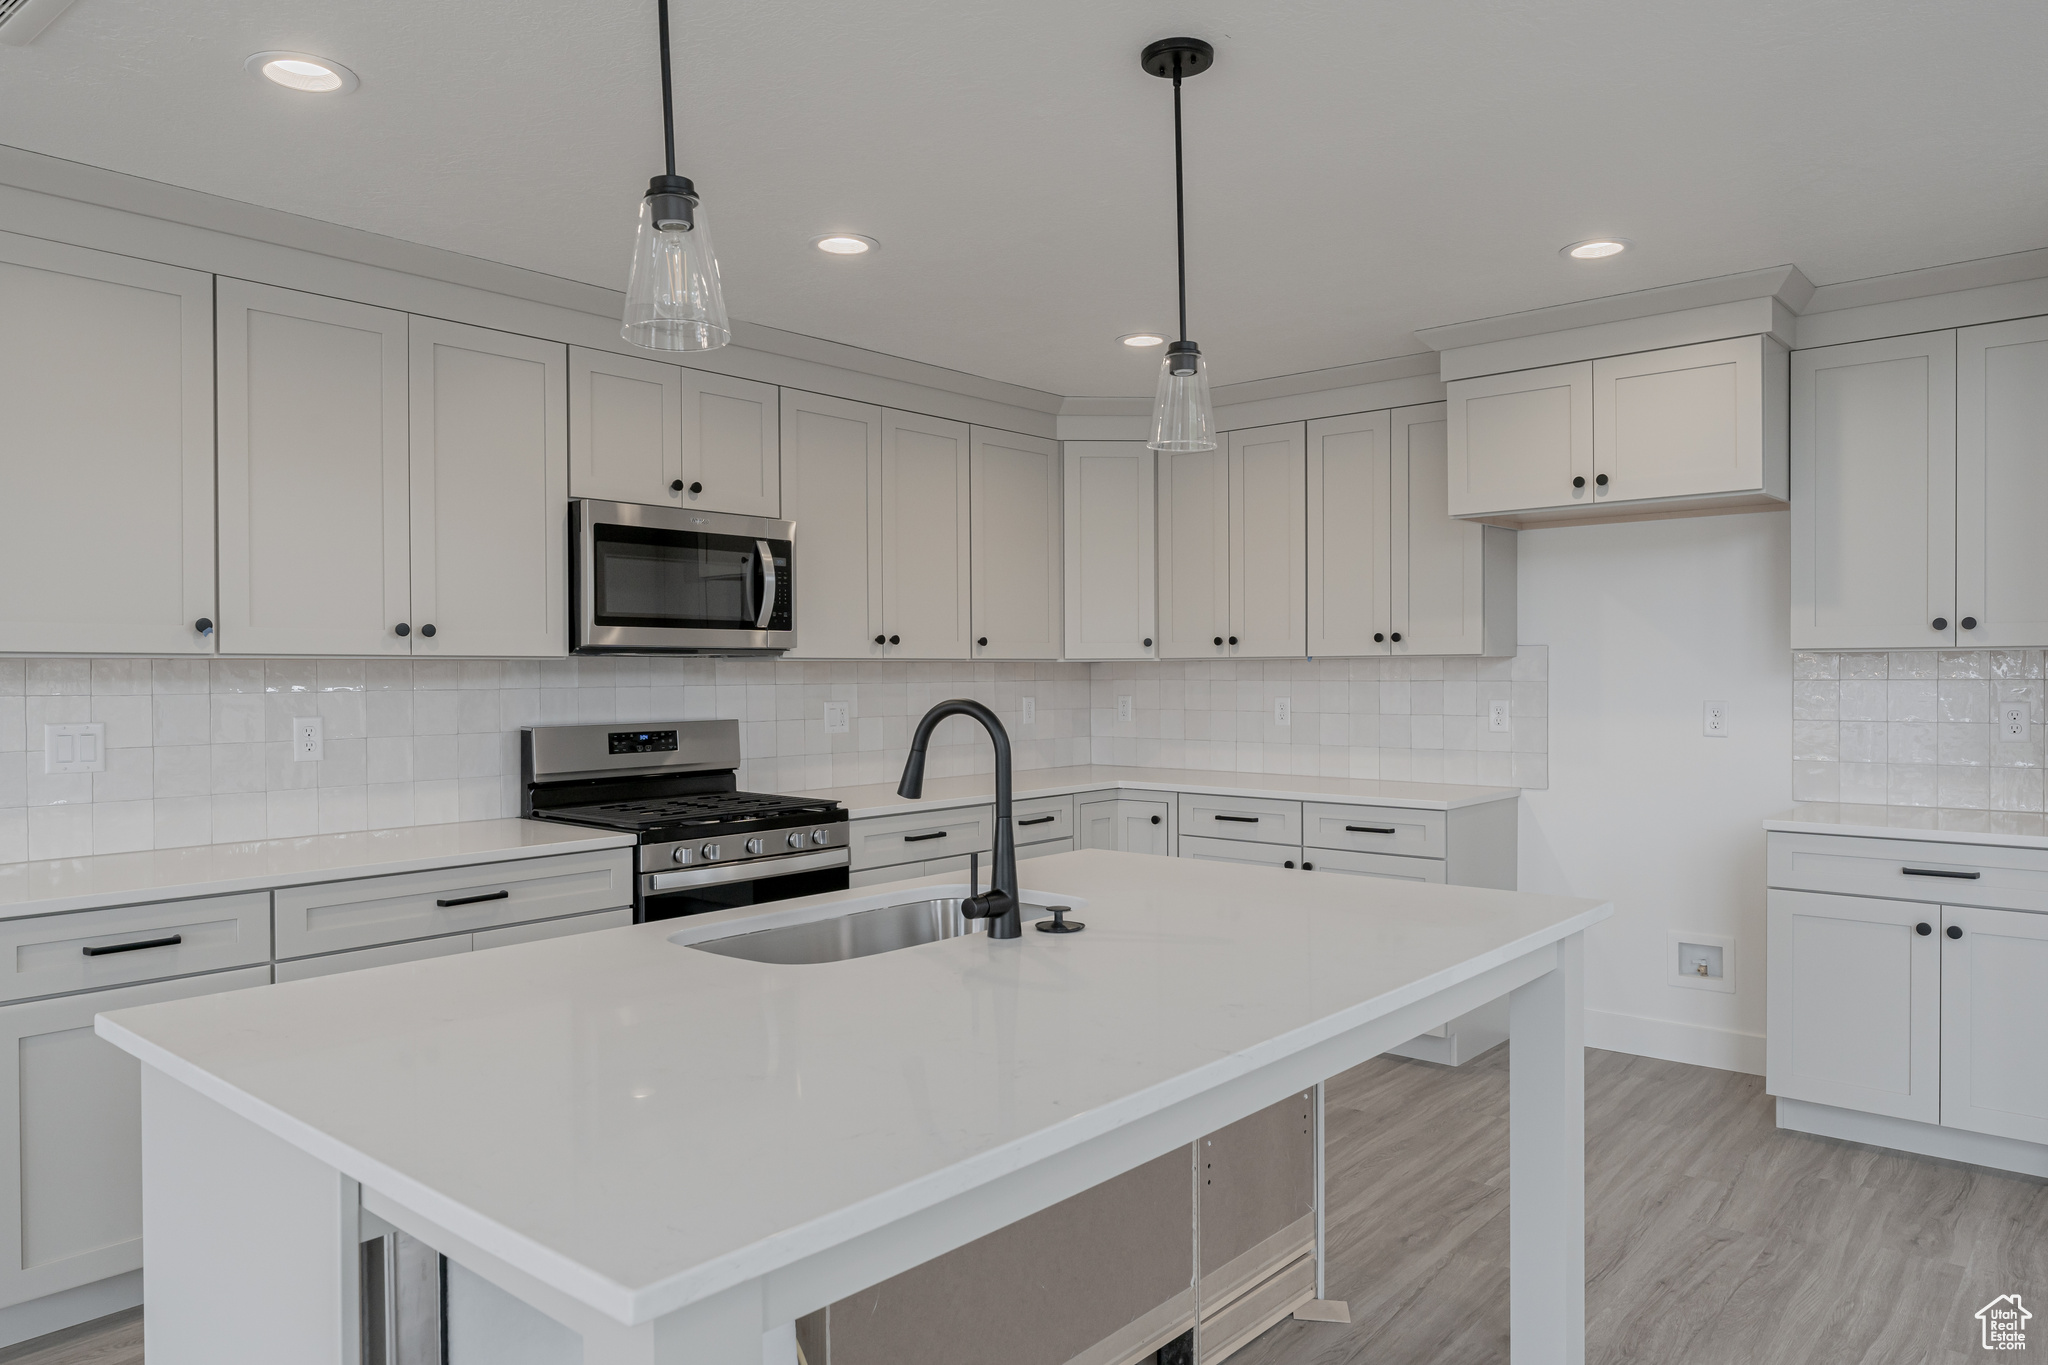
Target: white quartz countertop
[638,1125]
[1996,828]
[880,798]
[56,885]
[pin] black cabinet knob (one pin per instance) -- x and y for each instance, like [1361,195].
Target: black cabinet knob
[1955,931]
[204,625]
[1148,642]
[881,640]
[983,642]
[1219,639]
[895,639]
[1379,637]
[1579,481]
[1233,639]
[1923,928]
[675,485]
[1968,623]
[696,488]
[1397,637]
[1155,819]
[1941,623]
[1290,862]
[1601,480]
[427,630]
[401,630]
[1308,867]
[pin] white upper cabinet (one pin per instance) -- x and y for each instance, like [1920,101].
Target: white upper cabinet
[314,550]
[1350,540]
[1453,582]
[731,460]
[1874,494]
[1697,428]
[1268,543]
[1521,441]
[1194,554]
[625,428]
[106,453]
[925,569]
[2001,593]
[490,483]
[1015,534]
[1110,551]
[832,490]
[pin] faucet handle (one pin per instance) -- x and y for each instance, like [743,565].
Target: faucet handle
[1060,923]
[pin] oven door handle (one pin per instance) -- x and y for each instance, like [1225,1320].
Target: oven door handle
[747,872]
[767,585]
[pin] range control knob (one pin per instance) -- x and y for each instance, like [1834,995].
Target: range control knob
[757,846]
[821,836]
[679,855]
[796,838]
[709,853]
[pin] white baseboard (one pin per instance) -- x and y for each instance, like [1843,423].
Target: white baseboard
[1670,1041]
[40,1317]
[1927,1139]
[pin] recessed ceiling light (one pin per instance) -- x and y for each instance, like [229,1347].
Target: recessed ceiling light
[1142,339]
[1595,248]
[844,244]
[302,71]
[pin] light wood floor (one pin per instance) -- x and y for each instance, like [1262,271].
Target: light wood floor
[1713,1237]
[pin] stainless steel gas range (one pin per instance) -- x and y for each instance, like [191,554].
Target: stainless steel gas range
[703,844]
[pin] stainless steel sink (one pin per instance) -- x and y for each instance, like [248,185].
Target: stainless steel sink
[861,934]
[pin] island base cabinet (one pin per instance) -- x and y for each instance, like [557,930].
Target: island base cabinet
[70,1110]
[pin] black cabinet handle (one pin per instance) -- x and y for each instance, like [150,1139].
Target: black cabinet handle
[1601,480]
[428,630]
[204,625]
[983,642]
[1938,872]
[1288,863]
[1397,637]
[1968,623]
[1941,623]
[1038,820]
[1579,481]
[1148,642]
[1155,819]
[921,838]
[675,485]
[102,949]
[1233,639]
[1308,867]
[881,640]
[1379,637]
[1955,931]
[401,630]
[1369,829]
[1923,928]
[895,639]
[696,488]
[1219,639]
[1240,819]
[472,900]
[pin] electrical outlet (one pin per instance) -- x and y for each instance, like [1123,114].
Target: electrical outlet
[1031,710]
[307,744]
[1283,710]
[1123,708]
[2015,722]
[75,748]
[836,721]
[1497,717]
[1715,725]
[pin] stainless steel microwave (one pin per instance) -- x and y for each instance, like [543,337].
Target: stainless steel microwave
[669,580]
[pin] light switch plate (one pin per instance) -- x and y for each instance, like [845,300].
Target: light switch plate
[1031,710]
[1714,722]
[1283,710]
[308,743]
[836,722]
[78,748]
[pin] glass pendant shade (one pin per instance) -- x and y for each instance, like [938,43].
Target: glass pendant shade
[1181,417]
[673,298]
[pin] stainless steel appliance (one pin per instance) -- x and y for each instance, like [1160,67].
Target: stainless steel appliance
[703,844]
[667,580]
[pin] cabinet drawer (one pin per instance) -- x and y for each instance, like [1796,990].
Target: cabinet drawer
[1911,870]
[360,914]
[53,954]
[1389,865]
[1253,818]
[1374,829]
[918,836]
[552,928]
[1043,818]
[1046,849]
[1238,851]
[334,964]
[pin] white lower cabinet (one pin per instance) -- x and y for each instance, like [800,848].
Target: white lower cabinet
[1238,851]
[1994,1022]
[71,1113]
[1391,866]
[1129,823]
[1045,849]
[418,950]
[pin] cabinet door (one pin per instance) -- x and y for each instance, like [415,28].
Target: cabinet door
[1854,1005]
[1350,535]
[71,1113]
[1441,569]
[1125,825]
[106,453]
[490,482]
[1269,542]
[1014,498]
[731,445]
[1111,566]
[1994,1022]
[1687,421]
[1874,494]
[314,471]
[1518,440]
[2002,483]
[925,607]
[832,490]
[1194,554]
[625,428]
[1237,851]
[1386,866]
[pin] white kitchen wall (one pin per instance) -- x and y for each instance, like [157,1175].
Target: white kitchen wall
[1646,622]
[198,750]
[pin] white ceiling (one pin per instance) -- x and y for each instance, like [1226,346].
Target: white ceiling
[1357,170]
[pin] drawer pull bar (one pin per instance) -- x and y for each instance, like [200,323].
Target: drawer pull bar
[920,838]
[1240,819]
[1039,820]
[1370,829]
[472,900]
[101,949]
[1937,872]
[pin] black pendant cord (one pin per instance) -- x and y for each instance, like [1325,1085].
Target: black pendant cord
[668,105]
[1180,212]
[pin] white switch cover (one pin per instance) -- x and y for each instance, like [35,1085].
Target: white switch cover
[835,718]
[1715,723]
[1497,717]
[307,744]
[1031,710]
[1123,709]
[2014,722]
[1283,710]
[75,748]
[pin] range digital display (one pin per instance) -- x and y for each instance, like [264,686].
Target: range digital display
[643,741]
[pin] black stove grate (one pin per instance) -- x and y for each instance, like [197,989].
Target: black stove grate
[704,811]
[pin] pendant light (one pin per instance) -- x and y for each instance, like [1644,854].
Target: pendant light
[1181,417]
[673,299]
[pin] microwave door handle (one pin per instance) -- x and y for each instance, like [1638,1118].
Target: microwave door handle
[767,585]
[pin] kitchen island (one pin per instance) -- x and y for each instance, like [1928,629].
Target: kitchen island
[676,1153]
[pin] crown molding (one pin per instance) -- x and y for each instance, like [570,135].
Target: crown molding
[1784,283]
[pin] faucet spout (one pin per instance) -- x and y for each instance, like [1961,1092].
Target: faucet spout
[998,905]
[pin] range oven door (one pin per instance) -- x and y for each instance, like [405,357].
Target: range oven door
[655,579]
[700,890]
